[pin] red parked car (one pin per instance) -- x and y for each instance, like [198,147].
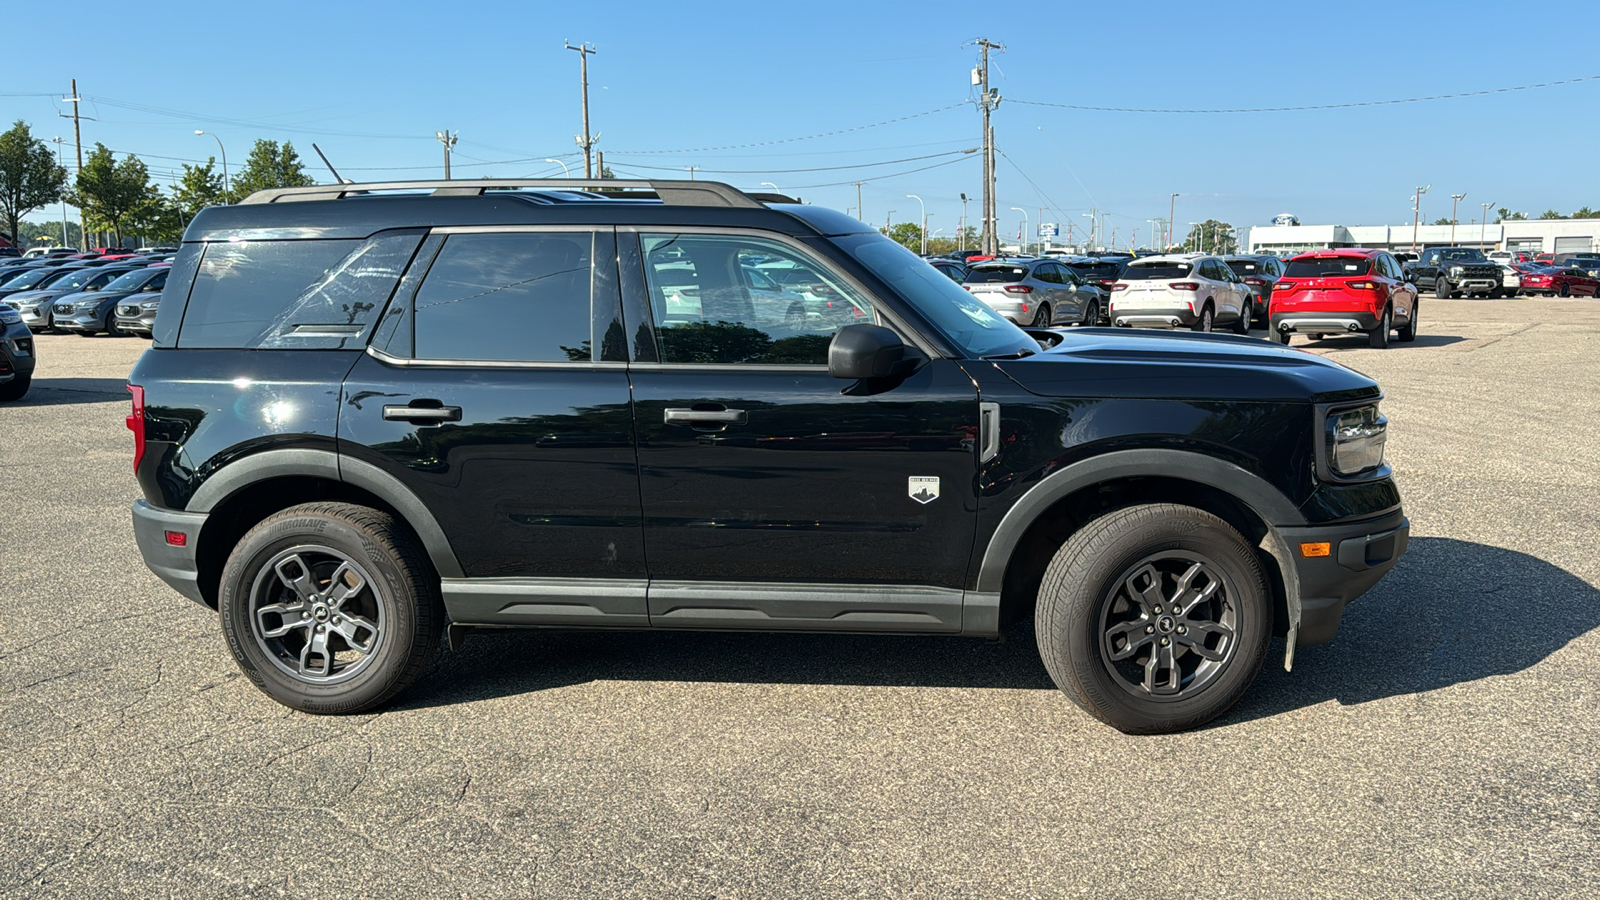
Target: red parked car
[1567,282]
[1344,292]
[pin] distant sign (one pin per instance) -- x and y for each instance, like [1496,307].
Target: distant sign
[1282,219]
[1048,229]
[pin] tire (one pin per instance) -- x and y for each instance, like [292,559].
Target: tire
[1206,321]
[1087,614]
[1378,337]
[1041,316]
[16,387]
[1441,288]
[84,333]
[399,614]
[1241,323]
[1091,314]
[111,325]
[1566,290]
[1408,332]
[1281,337]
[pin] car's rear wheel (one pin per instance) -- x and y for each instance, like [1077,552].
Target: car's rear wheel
[1280,336]
[1408,332]
[1241,323]
[15,388]
[1378,337]
[1154,618]
[1041,316]
[1091,314]
[1566,291]
[330,607]
[1204,323]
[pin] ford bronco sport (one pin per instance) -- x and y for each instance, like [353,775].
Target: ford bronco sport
[373,415]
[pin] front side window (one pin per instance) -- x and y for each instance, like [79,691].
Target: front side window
[515,296]
[745,300]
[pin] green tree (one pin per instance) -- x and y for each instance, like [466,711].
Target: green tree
[198,188]
[1551,214]
[1443,221]
[270,165]
[29,176]
[1585,213]
[112,193]
[1212,236]
[48,234]
[907,234]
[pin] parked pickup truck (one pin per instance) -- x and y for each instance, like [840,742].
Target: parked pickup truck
[1454,271]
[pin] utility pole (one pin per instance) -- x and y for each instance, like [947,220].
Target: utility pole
[584,141]
[448,140]
[1454,199]
[1481,223]
[691,171]
[888,217]
[77,137]
[601,156]
[988,100]
[860,216]
[1416,214]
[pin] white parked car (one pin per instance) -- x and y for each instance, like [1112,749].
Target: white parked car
[1510,279]
[1192,290]
[1502,257]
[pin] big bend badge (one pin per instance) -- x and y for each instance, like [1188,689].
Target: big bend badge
[923,488]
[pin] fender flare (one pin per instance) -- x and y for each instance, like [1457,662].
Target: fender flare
[1265,500]
[258,467]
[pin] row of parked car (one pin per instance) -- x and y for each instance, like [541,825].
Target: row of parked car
[1337,291]
[112,292]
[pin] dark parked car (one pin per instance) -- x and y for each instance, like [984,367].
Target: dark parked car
[1102,271]
[1259,272]
[16,355]
[951,269]
[476,408]
[1453,271]
[95,311]
[1037,292]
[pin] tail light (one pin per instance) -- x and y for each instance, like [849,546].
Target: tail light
[1361,285]
[135,423]
[1119,287]
[1255,281]
[1184,286]
[1018,289]
[1284,287]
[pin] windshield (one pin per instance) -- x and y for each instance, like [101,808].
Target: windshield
[1328,267]
[30,279]
[132,281]
[1155,270]
[996,274]
[1244,266]
[75,280]
[1465,255]
[978,330]
[1096,269]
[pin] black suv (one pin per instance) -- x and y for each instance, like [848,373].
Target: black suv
[373,414]
[1453,271]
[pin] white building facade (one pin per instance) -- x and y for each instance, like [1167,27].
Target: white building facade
[1536,235]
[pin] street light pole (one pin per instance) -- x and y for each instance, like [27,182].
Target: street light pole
[1024,227]
[226,187]
[1416,214]
[565,172]
[57,140]
[961,233]
[771,185]
[1454,199]
[1172,213]
[1481,222]
[924,222]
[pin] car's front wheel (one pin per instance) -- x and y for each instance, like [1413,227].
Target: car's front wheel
[1154,618]
[330,607]
[16,388]
[1441,288]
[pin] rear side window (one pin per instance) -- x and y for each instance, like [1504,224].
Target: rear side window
[1328,267]
[243,287]
[996,274]
[1156,271]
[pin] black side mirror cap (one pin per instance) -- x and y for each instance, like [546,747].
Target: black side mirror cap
[862,352]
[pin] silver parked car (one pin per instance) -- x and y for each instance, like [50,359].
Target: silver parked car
[1037,292]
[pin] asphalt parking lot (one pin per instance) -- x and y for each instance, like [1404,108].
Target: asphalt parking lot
[1442,745]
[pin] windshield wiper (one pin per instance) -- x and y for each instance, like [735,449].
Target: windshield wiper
[1017,355]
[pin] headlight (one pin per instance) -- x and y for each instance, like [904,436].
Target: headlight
[1355,440]
[1456,271]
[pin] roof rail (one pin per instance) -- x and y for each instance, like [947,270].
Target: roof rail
[670,192]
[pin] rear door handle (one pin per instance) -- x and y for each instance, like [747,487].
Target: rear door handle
[422,414]
[679,416]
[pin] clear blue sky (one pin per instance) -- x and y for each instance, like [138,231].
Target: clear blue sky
[730,86]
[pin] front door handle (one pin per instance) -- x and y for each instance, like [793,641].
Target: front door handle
[425,415]
[679,416]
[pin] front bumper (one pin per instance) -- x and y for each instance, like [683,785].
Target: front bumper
[177,566]
[1360,554]
[1351,322]
[36,317]
[16,353]
[86,321]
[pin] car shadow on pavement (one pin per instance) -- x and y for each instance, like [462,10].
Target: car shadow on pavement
[1359,342]
[1450,612]
[68,391]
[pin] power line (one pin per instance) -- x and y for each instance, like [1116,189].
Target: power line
[241,123]
[887,162]
[1351,105]
[948,162]
[809,137]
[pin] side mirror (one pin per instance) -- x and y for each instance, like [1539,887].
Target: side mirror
[1409,276]
[861,352]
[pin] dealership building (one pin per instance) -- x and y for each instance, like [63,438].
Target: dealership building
[1537,235]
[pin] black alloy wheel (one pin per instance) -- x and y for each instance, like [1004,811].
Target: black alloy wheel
[1566,291]
[1154,618]
[1091,314]
[1441,288]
